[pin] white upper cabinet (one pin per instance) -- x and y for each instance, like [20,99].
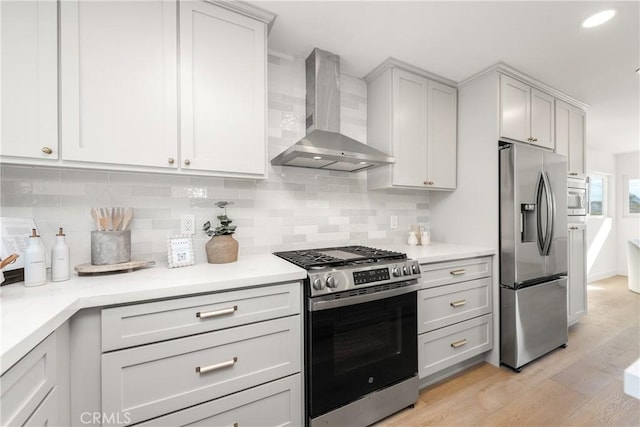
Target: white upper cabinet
[119,82]
[515,107]
[442,135]
[542,119]
[413,118]
[527,114]
[29,35]
[223,91]
[409,129]
[570,136]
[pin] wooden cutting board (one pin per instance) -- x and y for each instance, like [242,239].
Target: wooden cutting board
[131,265]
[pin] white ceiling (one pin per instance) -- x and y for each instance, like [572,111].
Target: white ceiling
[458,39]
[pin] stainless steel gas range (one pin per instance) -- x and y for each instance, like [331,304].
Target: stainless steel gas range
[361,356]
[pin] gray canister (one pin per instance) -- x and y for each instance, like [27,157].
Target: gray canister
[110,247]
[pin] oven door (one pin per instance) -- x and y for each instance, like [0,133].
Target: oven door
[356,349]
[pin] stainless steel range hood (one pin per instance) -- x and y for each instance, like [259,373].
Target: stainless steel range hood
[324,147]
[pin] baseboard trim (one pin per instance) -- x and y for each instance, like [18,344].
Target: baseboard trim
[601,276]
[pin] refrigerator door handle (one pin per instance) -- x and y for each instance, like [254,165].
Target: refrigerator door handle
[551,213]
[541,241]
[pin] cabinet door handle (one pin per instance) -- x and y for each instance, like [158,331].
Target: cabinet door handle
[459,343]
[47,150]
[216,313]
[573,173]
[187,162]
[170,160]
[457,272]
[205,369]
[535,139]
[458,303]
[530,139]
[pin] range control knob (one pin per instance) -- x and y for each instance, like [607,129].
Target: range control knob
[396,272]
[331,282]
[414,269]
[317,284]
[405,270]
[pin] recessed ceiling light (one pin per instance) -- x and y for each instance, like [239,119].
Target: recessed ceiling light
[638,71]
[317,158]
[598,19]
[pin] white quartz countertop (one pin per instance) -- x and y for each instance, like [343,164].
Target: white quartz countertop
[30,314]
[436,252]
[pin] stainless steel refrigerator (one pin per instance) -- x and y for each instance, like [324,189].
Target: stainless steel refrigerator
[533,253]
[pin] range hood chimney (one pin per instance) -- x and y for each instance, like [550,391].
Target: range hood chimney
[324,147]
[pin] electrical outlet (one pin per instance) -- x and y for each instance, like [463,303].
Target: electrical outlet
[393,222]
[187,224]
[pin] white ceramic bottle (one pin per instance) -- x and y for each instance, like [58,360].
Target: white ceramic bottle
[60,259]
[35,268]
[413,239]
[426,238]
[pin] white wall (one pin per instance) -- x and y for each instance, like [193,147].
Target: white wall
[627,227]
[601,231]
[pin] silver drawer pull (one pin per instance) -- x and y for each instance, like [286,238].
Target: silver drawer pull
[216,313]
[459,343]
[222,365]
[457,272]
[458,303]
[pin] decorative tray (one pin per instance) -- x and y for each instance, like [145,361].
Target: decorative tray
[131,265]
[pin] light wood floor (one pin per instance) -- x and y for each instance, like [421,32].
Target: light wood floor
[581,385]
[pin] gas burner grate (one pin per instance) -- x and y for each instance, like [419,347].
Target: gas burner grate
[319,258]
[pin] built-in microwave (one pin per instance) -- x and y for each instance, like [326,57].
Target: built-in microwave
[577,196]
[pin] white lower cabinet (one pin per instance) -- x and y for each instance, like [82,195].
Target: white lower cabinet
[577,273]
[445,305]
[454,314]
[35,391]
[238,357]
[276,403]
[47,413]
[447,346]
[26,384]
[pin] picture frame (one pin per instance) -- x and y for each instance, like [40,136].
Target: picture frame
[180,251]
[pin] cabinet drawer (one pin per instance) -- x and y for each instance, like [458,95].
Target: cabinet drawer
[278,403]
[47,412]
[27,383]
[445,347]
[152,380]
[132,325]
[443,273]
[445,305]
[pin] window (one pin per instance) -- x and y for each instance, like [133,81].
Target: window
[598,195]
[632,197]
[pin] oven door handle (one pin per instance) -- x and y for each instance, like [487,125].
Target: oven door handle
[325,304]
